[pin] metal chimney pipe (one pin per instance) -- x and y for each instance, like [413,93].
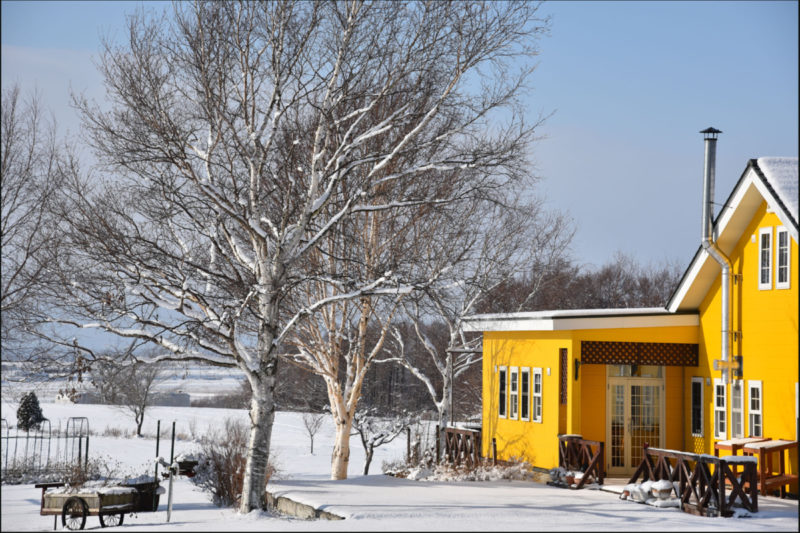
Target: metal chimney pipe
[710,245]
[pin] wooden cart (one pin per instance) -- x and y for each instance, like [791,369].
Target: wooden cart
[109,504]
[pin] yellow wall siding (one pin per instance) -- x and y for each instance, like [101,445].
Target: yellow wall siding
[531,441]
[673,412]
[537,443]
[593,388]
[768,321]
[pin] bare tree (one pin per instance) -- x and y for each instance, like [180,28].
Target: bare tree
[493,244]
[236,142]
[337,343]
[128,386]
[312,422]
[376,431]
[29,178]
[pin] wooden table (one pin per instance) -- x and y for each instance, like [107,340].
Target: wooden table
[768,478]
[734,445]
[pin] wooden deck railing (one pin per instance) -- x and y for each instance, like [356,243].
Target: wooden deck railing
[575,453]
[462,446]
[702,480]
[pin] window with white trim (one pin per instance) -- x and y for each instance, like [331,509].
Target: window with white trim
[782,258]
[697,407]
[765,258]
[720,410]
[737,410]
[755,406]
[537,395]
[513,392]
[525,393]
[501,402]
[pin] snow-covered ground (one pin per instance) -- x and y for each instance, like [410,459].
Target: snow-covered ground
[368,503]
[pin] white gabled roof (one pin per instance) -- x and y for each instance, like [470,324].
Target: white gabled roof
[570,319]
[781,174]
[773,179]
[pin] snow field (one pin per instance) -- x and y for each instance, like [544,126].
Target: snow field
[368,503]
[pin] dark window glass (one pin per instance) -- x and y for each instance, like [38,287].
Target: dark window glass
[697,408]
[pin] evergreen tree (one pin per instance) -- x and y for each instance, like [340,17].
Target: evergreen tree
[29,414]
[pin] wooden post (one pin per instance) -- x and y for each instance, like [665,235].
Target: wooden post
[494,451]
[438,445]
[408,445]
[719,469]
[158,440]
[171,473]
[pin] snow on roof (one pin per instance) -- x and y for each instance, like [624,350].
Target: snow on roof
[570,313]
[781,173]
[572,319]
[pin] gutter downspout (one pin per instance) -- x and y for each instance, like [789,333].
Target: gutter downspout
[710,246]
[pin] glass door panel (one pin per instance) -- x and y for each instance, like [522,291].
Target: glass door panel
[645,421]
[635,418]
[617,426]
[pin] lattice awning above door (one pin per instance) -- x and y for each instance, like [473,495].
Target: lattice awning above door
[639,353]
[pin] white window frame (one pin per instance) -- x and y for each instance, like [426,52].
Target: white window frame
[737,412]
[787,265]
[764,253]
[755,385]
[536,397]
[524,394]
[720,410]
[700,407]
[502,385]
[513,392]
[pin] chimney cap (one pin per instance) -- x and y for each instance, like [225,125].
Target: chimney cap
[710,133]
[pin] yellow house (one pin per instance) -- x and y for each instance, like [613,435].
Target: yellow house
[633,376]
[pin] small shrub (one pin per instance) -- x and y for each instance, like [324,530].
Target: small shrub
[221,463]
[448,472]
[117,432]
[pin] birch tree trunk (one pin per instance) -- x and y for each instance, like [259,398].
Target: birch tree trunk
[262,416]
[340,458]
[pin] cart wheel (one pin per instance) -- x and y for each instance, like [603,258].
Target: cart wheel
[73,514]
[111,520]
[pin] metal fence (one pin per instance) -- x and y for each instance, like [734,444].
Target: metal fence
[44,450]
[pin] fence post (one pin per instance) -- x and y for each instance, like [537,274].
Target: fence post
[494,451]
[438,445]
[719,470]
[408,445]
[171,473]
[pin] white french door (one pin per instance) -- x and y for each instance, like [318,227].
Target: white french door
[635,415]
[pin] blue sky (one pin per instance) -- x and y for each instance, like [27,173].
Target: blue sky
[630,85]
